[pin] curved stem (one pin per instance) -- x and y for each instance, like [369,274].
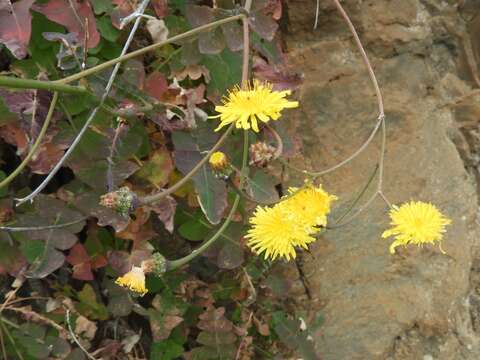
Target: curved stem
[371,73]
[144,200]
[278,140]
[17,83]
[358,197]
[344,162]
[174,264]
[35,146]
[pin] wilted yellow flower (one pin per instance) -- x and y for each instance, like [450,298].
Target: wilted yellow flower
[275,232]
[311,203]
[257,102]
[134,280]
[417,223]
[218,160]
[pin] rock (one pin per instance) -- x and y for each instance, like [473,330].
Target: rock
[418,303]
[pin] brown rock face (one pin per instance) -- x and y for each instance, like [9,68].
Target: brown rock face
[418,303]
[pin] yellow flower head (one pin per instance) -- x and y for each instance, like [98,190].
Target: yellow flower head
[218,160]
[134,280]
[311,203]
[275,232]
[257,102]
[417,223]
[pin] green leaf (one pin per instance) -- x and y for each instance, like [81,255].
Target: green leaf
[225,71]
[102,6]
[166,350]
[5,115]
[193,230]
[32,249]
[288,330]
[89,306]
[262,187]
[106,28]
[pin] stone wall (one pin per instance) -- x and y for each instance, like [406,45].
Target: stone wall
[418,303]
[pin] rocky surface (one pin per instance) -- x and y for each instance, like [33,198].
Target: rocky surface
[418,303]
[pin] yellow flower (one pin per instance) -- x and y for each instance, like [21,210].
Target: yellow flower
[275,232]
[218,160]
[257,102]
[311,203]
[417,223]
[134,280]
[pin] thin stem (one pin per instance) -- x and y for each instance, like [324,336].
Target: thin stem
[342,163]
[381,116]
[358,212]
[38,228]
[146,49]
[35,146]
[175,264]
[5,330]
[144,200]
[17,83]
[278,140]
[358,197]
[74,337]
[371,73]
[79,136]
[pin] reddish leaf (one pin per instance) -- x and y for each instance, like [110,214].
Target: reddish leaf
[277,75]
[47,156]
[161,8]
[123,9]
[138,230]
[199,15]
[263,25]
[13,135]
[156,85]
[83,264]
[78,255]
[233,35]
[73,15]
[82,271]
[16,26]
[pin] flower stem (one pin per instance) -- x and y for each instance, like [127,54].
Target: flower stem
[35,146]
[175,264]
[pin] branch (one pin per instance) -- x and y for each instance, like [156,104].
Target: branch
[17,83]
[57,167]
[146,49]
[35,146]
